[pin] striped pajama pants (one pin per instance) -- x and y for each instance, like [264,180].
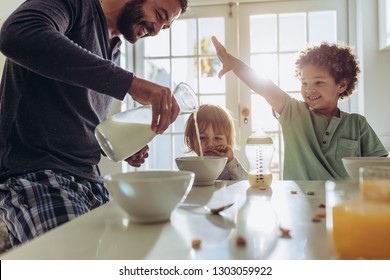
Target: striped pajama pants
[34,203]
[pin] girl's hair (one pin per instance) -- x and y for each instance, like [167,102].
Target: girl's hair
[338,59]
[220,119]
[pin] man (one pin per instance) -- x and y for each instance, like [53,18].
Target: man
[59,79]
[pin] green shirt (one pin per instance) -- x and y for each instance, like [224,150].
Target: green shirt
[314,145]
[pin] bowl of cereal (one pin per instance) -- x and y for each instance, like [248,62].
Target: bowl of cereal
[149,196]
[353,164]
[206,168]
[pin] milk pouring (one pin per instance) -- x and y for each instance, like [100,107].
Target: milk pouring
[125,133]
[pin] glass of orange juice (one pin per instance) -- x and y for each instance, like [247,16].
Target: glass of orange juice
[361,230]
[337,193]
[358,228]
[374,183]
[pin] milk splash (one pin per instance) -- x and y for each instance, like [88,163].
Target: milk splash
[198,134]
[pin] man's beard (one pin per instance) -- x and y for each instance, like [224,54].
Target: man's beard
[130,15]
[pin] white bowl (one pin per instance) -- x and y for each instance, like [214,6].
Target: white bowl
[149,196]
[352,164]
[206,170]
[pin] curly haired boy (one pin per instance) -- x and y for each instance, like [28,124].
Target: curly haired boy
[317,134]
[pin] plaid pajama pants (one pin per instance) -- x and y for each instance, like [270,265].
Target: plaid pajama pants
[37,202]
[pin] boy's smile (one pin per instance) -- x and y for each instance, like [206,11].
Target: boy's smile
[320,91]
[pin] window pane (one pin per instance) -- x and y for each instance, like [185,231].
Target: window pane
[207,67]
[213,99]
[184,37]
[185,53]
[209,81]
[179,124]
[157,45]
[322,27]
[160,153]
[262,117]
[180,148]
[292,31]
[288,82]
[263,33]
[209,27]
[266,65]
[184,70]
[157,71]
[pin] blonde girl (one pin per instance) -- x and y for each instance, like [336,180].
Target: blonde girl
[217,137]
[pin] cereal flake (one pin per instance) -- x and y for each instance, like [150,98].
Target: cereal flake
[196,243]
[240,241]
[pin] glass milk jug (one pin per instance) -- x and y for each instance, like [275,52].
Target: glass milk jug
[125,133]
[259,151]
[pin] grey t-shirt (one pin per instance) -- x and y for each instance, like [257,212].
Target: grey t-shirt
[58,82]
[233,171]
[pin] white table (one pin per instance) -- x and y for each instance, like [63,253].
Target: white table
[106,233]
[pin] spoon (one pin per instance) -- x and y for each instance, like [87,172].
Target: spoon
[214,211]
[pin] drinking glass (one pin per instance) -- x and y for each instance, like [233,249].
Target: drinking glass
[375,183]
[185,98]
[359,228]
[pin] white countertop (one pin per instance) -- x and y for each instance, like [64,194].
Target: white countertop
[106,233]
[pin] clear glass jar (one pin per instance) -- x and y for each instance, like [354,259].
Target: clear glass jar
[125,133]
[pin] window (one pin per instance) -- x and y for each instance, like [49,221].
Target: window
[271,35]
[274,42]
[184,53]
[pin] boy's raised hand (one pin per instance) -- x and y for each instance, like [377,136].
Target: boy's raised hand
[223,56]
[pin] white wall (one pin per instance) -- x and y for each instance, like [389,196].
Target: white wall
[376,69]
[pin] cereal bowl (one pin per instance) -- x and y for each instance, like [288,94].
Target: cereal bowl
[352,164]
[206,170]
[149,196]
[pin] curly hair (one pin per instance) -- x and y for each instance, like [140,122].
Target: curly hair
[338,59]
[184,5]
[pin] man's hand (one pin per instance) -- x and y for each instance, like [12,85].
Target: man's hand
[138,158]
[164,105]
